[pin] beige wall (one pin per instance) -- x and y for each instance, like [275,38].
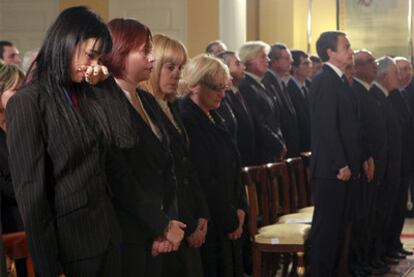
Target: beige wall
[100,6]
[286,21]
[252,19]
[202,24]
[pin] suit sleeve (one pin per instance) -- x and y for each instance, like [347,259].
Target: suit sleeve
[27,164]
[271,138]
[325,117]
[130,197]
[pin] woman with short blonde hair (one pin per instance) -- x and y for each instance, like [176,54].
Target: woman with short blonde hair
[214,154]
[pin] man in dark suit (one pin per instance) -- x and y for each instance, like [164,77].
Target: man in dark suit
[245,128]
[299,93]
[316,66]
[404,113]
[275,80]
[387,171]
[335,146]
[270,145]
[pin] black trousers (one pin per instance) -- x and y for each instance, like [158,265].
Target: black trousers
[328,226]
[137,260]
[186,262]
[108,264]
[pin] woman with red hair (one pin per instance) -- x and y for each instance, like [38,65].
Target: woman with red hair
[141,177]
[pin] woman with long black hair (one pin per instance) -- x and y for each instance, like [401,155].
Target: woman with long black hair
[57,137]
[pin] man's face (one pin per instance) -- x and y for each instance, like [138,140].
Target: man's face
[236,68]
[393,77]
[406,72]
[304,70]
[283,65]
[11,55]
[343,56]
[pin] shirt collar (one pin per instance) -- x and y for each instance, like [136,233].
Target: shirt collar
[384,90]
[299,84]
[255,77]
[336,69]
[363,83]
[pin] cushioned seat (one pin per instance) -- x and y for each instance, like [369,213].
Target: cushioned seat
[309,210]
[283,234]
[303,218]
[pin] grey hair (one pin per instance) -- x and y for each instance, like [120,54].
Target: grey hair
[384,64]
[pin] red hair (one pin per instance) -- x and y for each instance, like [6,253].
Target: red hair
[127,35]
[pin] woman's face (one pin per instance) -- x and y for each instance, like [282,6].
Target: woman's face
[169,77]
[208,95]
[139,64]
[86,53]
[9,92]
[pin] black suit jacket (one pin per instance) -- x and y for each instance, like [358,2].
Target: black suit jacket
[301,104]
[268,136]
[245,129]
[59,177]
[288,117]
[216,160]
[142,178]
[335,138]
[403,112]
[226,112]
[192,204]
[374,135]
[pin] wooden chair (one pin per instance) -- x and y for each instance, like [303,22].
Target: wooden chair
[16,247]
[306,156]
[300,199]
[282,193]
[266,236]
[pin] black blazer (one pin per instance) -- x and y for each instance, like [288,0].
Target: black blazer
[226,112]
[142,177]
[403,113]
[288,117]
[11,220]
[192,204]
[245,128]
[301,104]
[268,136]
[335,136]
[59,178]
[216,160]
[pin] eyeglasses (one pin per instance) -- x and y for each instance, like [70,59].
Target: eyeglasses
[214,86]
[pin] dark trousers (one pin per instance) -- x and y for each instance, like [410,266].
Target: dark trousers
[398,216]
[220,256]
[137,260]
[328,226]
[107,264]
[186,262]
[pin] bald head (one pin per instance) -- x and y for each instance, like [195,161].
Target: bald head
[365,66]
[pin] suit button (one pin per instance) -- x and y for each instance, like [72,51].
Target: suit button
[159,172]
[185,181]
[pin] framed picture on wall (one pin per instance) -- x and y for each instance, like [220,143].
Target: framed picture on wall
[381,26]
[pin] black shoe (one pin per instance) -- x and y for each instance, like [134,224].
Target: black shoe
[376,270]
[396,255]
[406,252]
[391,261]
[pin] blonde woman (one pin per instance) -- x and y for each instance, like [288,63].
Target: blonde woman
[216,159]
[170,57]
[11,78]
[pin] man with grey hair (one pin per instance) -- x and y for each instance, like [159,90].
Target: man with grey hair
[386,83]
[276,80]
[404,113]
[270,146]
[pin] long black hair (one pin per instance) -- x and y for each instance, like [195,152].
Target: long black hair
[52,66]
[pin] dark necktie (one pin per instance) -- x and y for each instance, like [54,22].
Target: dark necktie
[287,98]
[240,99]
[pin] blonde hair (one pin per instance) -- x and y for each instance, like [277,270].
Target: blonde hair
[203,68]
[8,75]
[250,50]
[165,50]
